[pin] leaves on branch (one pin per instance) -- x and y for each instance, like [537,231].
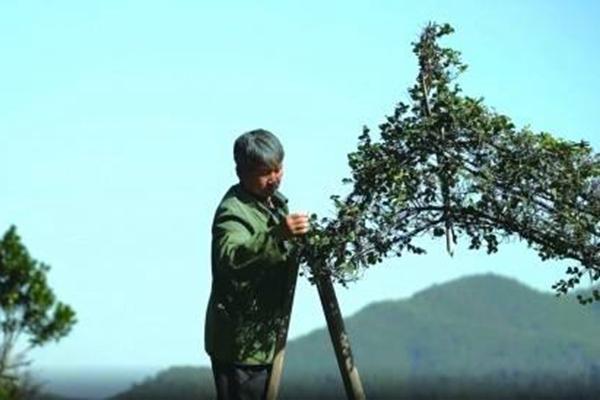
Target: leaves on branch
[447,165]
[28,306]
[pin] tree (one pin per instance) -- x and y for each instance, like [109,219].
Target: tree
[27,307]
[446,165]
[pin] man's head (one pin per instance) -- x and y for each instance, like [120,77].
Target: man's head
[258,157]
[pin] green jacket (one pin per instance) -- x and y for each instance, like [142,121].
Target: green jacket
[251,270]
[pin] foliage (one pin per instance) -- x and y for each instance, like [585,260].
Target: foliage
[448,166]
[28,307]
[173,383]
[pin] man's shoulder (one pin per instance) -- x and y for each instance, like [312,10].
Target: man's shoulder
[238,204]
[231,203]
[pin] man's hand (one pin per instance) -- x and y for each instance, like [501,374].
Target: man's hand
[296,224]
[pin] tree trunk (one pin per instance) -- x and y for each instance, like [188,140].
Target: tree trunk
[277,369]
[337,332]
[339,338]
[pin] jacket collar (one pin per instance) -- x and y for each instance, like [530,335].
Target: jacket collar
[279,200]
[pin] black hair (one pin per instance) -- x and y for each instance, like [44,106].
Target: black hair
[257,147]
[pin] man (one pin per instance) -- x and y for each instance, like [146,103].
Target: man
[251,268]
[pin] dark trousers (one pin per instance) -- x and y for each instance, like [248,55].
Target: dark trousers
[239,381]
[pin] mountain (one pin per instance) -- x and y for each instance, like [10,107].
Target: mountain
[174,383]
[483,336]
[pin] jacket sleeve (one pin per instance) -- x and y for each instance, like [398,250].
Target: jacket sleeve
[237,248]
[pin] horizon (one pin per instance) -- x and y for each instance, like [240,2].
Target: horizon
[499,276]
[98,382]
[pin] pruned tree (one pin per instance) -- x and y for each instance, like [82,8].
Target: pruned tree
[448,166]
[28,310]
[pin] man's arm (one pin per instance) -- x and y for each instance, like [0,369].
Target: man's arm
[237,247]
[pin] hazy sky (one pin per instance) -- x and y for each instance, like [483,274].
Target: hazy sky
[117,122]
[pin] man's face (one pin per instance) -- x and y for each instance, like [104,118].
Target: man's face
[262,180]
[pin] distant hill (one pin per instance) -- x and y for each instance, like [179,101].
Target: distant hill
[483,336]
[174,383]
[50,396]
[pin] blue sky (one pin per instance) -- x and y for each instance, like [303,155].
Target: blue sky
[117,121]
